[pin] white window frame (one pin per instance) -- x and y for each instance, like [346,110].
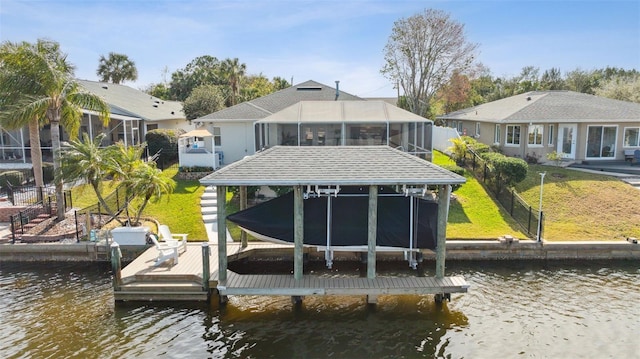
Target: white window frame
[477,129]
[602,144]
[497,135]
[532,129]
[460,127]
[217,136]
[625,144]
[550,136]
[506,136]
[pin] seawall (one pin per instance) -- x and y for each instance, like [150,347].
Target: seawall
[456,250]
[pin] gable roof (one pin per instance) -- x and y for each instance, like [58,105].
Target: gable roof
[550,106]
[126,101]
[331,165]
[264,106]
[342,111]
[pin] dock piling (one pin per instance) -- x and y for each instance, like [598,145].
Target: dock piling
[116,265]
[206,271]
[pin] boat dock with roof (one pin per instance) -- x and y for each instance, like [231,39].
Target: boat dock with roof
[320,169]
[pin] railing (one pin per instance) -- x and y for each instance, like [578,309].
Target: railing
[117,202]
[46,206]
[517,207]
[27,195]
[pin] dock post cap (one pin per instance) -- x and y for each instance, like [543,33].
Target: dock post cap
[205,244]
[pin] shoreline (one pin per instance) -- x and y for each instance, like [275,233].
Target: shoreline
[457,250]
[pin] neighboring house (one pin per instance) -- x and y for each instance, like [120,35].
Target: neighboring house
[234,132]
[347,123]
[133,113]
[580,126]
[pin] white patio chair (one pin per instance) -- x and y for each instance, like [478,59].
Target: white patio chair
[179,239]
[166,251]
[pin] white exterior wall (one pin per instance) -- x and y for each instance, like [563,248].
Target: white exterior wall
[237,140]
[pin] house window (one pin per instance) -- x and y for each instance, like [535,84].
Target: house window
[496,135]
[632,137]
[477,129]
[550,141]
[217,138]
[601,141]
[460,129]
[152,126]
[535,135]
[513,135]
[454,124]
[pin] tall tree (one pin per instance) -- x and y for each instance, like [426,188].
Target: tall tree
[422,52]
[203,70]
[116,68]
[625,88]
[280,83]
[552,80]
[12,94]
[49,91]
[204,99]
[232,72]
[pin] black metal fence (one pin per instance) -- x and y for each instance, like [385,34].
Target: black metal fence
[28,195]
[517,207]
[93,215]
[45,206]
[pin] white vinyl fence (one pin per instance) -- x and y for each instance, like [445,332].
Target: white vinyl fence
[441,137]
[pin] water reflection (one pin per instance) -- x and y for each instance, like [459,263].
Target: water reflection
[587,309]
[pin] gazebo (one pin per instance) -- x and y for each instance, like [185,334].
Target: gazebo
[330,167]
[196,148]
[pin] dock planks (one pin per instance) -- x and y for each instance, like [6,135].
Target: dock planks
[144,281]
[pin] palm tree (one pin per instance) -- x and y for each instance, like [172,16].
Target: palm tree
[12,92]
[84,160]
[48,91]
[232,72]
[143,181]
[116,68]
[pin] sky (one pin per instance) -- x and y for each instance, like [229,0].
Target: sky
[322,40]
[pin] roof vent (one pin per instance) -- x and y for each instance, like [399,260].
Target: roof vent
[106,87]
[528,98]
[308,88]
[157,101]
[173,112]
[337,90]
[155,105]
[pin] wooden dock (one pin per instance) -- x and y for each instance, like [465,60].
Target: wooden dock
[142,281]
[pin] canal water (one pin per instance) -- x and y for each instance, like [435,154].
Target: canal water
[512,310]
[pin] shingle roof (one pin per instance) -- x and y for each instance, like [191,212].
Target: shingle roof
[331,165]
[342,111]
[550,106]
[127,101]
[264,106]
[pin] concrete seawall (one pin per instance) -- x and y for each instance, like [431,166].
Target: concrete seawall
[456,250]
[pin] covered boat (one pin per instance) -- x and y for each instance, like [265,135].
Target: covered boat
[337,218]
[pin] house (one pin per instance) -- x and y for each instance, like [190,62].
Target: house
[580,126]
[234,133]
[347,123]
[133,113]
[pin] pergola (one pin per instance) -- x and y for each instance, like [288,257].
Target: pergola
[333,166]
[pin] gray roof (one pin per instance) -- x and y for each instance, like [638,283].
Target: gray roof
[343,111]
[126,101]
[331,165]
[550,106]
[264,106]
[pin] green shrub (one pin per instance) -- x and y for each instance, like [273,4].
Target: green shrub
[509,170]
[165,140]
[187,169]
[13,178]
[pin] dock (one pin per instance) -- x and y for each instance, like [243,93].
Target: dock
[141,280]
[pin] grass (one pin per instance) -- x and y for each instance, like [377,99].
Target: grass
[474,214]
[583,206]
[577,206]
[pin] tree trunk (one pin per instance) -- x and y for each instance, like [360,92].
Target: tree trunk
[54,119]
[36,152]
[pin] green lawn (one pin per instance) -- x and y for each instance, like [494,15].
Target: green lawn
[473,214]
[583,206]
